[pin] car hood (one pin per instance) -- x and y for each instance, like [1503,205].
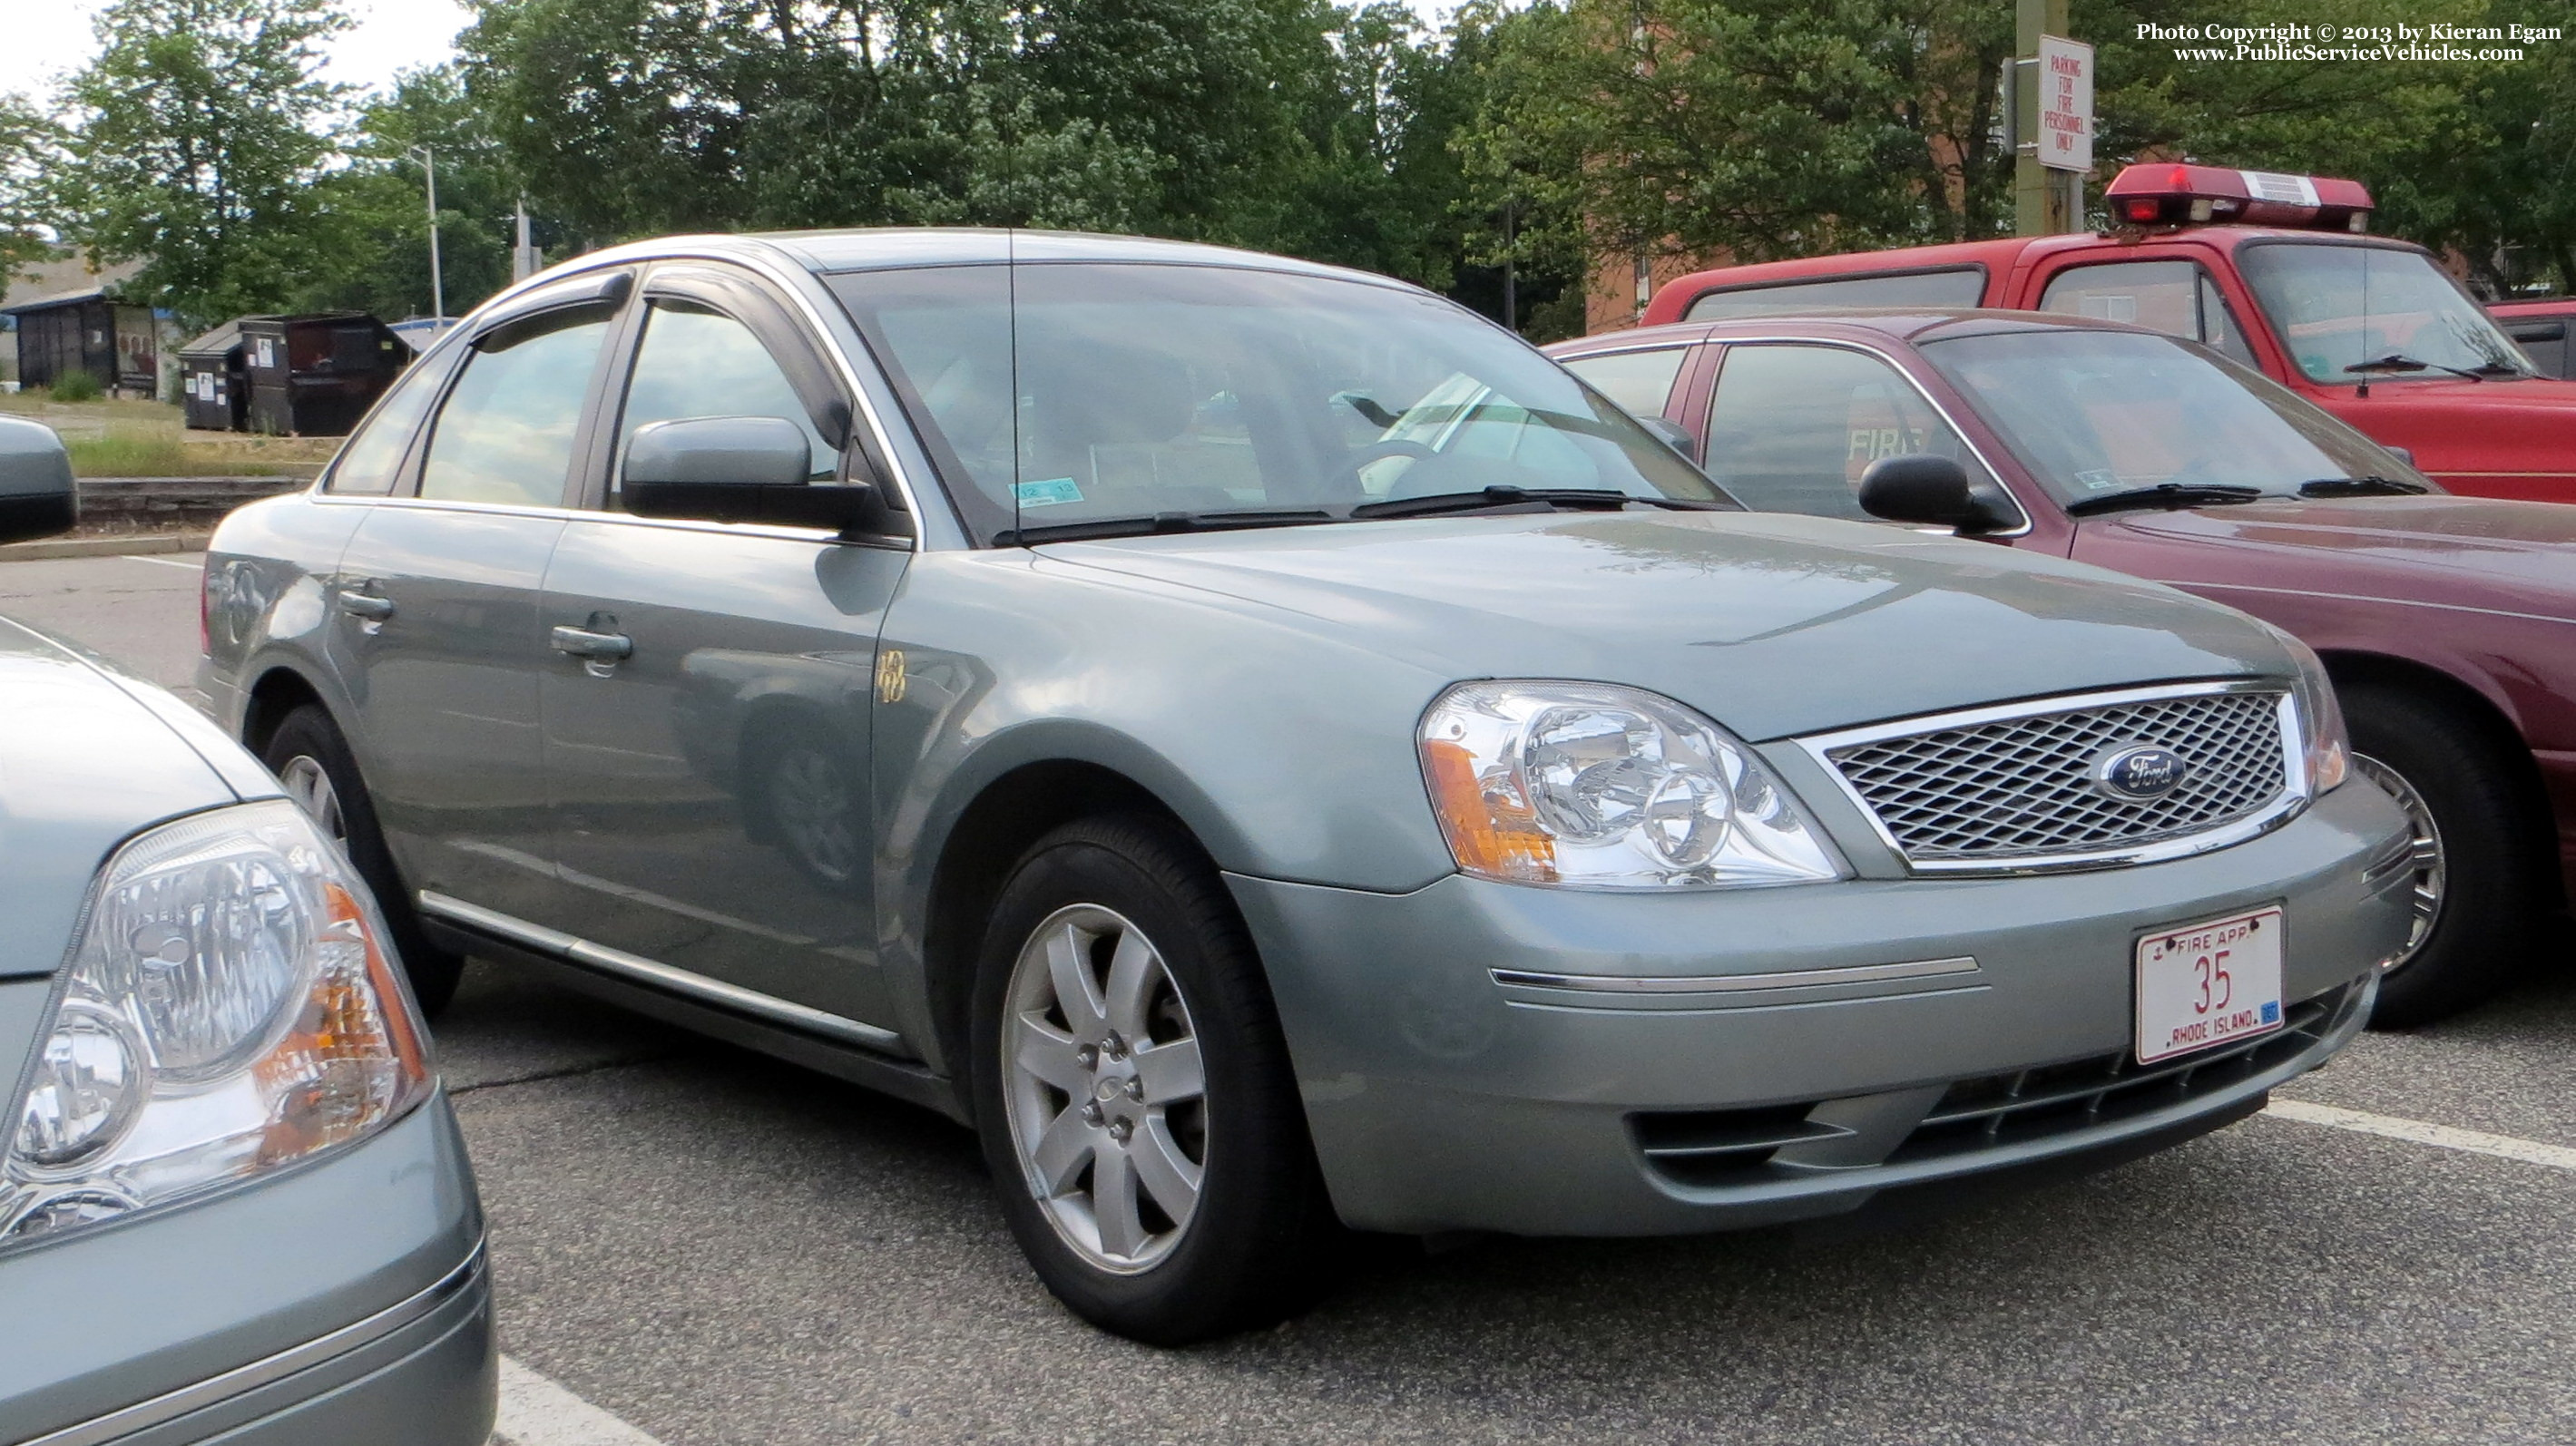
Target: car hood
[1774,625]
[87,757]
[2467,551]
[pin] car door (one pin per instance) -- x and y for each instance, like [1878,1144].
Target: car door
[707,688]
[434,628]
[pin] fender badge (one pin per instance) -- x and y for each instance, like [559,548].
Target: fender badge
[890,675]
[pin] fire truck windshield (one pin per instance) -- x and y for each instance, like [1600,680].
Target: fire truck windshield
[2349,314]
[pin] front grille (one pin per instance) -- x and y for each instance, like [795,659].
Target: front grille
[1715,1149]
[2021,790]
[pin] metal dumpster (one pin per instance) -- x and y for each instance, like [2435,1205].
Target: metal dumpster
[316,375]
[214,395]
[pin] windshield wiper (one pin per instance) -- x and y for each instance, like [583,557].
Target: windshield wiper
[1100,527]
[2368,486]
[1605,499]
[2164,494]
[2400,362]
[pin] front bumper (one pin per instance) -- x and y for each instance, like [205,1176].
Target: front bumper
[343,1301]
[1442,1099]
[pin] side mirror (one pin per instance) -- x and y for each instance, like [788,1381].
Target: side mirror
[1674,435]
[2402,454]
[737,469]
[37,495]
[1934,490]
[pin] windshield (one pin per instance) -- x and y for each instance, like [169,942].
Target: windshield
[1144,391]
[2093,414]
[2336,308]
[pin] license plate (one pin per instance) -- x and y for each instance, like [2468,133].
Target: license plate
[2203,985]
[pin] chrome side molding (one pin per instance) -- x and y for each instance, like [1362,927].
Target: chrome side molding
[634,967]
[1737,983]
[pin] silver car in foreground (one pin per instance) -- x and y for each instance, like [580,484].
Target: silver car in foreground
[1278,755]
[233,1202]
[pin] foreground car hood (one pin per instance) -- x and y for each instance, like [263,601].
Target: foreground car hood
[2467,551]
[86,759]
[1773,625]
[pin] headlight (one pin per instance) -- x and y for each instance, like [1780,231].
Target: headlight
[1598,786]
[229,1009]
[2321,728]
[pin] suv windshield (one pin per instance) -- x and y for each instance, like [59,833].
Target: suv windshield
[2095,414]
[2340,309]
[1054,393]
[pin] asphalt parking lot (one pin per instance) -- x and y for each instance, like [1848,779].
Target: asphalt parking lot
[717,1248]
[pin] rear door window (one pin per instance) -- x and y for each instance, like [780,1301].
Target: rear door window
[1639,381]
[370,462]
[1954,287]
[1792,428]
[506,434]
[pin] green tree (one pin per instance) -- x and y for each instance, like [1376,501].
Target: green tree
[1762,128]
[374,255]
[196,135]
[29,147]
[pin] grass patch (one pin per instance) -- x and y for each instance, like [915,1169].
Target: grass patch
[121,452]
[75,387]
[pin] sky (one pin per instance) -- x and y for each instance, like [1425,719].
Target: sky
[50,38]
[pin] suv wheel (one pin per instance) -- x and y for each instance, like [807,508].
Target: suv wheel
[312,760]
[2478,893]
[1134,1094]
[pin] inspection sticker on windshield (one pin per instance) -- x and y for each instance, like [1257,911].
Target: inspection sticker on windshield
[2209,984]
[1047,493]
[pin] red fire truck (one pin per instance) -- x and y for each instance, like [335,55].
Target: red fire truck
[2275,271]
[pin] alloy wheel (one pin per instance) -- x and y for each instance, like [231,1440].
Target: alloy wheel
[1105,1089]
[2425,850]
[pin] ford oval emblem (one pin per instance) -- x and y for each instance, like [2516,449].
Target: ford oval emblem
[2139,772]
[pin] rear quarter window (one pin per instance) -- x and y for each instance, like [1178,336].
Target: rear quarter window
[1951,287]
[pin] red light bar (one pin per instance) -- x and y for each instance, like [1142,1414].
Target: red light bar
[2163,193]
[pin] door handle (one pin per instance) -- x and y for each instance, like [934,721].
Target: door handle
[583,643]
[366,605]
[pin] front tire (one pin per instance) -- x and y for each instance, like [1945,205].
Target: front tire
[1134,1094]
[2479,893]
[312,760]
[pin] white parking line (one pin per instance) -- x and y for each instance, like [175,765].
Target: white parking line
[163,561]
[537,1412]
[2475,1142]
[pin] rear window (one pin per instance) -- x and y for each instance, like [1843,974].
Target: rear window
[1957,286]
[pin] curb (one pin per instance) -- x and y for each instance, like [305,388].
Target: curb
[106,546]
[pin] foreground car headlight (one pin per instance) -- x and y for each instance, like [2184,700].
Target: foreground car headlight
[2321,727]
[229,1008]
[1598,786]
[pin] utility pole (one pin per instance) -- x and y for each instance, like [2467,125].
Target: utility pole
[524,260]
[437,285]
[2047,201]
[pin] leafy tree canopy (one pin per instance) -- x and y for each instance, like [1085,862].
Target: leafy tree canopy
[196,135]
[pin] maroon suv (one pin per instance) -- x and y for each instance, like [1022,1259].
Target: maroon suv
[2449,622]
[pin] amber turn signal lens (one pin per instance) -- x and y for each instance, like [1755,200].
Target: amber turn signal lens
[1487,836]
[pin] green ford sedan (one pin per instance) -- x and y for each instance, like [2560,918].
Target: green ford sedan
[1279,757]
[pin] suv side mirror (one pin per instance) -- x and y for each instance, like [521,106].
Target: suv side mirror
[37,495]
[1674,435]
[1935,490]
[737,469]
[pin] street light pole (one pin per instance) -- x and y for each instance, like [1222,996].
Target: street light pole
[437,285]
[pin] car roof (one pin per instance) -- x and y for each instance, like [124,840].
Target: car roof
[1909,324]
[881,248]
